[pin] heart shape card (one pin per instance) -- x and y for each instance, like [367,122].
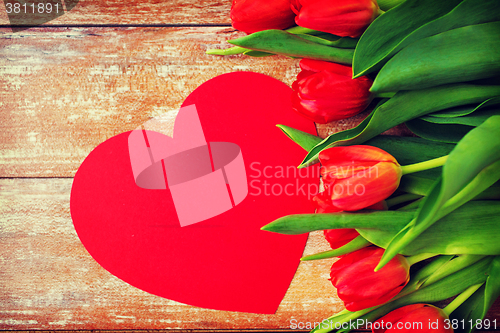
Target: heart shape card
[175,207]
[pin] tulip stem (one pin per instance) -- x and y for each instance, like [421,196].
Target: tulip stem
[240,50]
[413,205]
[230,51]
[298,30]
[430,164]
[461,298]
[401,198]
[419,257]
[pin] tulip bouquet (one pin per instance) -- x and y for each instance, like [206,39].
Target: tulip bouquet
[389,203]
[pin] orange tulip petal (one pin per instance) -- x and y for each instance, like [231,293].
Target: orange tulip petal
[360,287]
[357,153]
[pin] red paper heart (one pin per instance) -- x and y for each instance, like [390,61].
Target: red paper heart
[225,262]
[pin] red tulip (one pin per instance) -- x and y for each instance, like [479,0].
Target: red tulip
[255,15]
[356,177]
[346,18]
[323,204]
[359,287]
[325,91]
[413,318]
[340,237]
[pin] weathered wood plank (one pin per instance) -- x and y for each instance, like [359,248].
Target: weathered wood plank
[49,281]
[115,12]
[64,91]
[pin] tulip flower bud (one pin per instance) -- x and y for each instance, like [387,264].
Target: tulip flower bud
[340,237]
[325,91]
[359,287]
[255,15]
[423,318]
[345,18]
[356,177]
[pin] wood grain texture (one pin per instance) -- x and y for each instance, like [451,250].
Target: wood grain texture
[147,12]
[49,281]
[64,91]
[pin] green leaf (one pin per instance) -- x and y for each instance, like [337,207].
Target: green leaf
[284,43]
[385,5]
[449,133]
[450,267]
[404,106]
[478,149]
[229,51]
[464,110]
[492,290]
[384,221]
[257,54]
[450,285]
[303,139]
[475,308]
[416,184]
[345,316]
[491,193]
[384,36]
[411,206]
[438,263]
[412,21]
[443,59]
[485,180]
[332,40]
[240,50]
[298,30]
[421,183]
[472,166]
[473,190]
[453,234]
[457,111]
[356,244]
[470,310]
[474,119]
[410,150]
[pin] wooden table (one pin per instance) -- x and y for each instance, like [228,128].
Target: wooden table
[100,70]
